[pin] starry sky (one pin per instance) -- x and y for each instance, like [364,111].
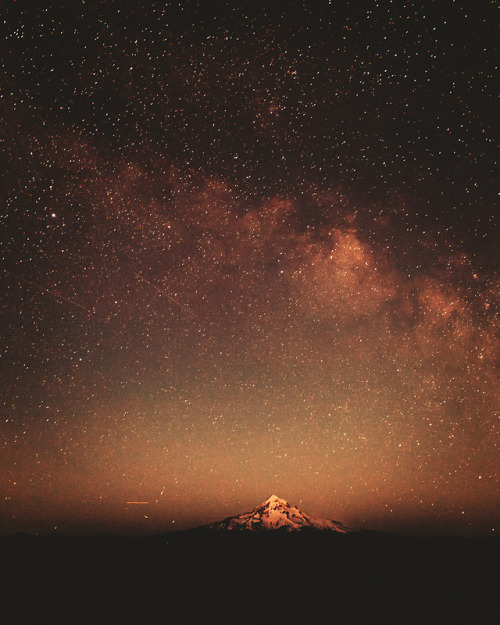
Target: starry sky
[248,248]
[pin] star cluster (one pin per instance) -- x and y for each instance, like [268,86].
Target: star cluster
[249,248]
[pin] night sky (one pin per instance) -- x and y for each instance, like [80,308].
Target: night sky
[249,248]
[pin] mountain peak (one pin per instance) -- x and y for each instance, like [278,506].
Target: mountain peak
[276,513]
[275,499]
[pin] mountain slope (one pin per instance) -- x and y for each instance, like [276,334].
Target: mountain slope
[277,514]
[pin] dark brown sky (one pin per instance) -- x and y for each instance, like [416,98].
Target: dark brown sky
[249,251]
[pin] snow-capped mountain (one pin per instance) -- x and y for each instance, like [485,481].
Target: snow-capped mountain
[274,514]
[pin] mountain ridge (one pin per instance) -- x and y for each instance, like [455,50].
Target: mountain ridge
[277,514]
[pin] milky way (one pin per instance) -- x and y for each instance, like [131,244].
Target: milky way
[249,250]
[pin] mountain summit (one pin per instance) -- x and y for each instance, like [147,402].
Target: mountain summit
[275,513]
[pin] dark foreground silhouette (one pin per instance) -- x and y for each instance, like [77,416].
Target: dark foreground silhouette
[240,577]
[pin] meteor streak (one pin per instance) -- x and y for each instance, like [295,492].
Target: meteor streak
[44,290]
[190,312]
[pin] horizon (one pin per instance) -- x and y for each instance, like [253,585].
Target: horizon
[142,525]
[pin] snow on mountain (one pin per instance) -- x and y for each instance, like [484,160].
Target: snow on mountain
[274,514]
